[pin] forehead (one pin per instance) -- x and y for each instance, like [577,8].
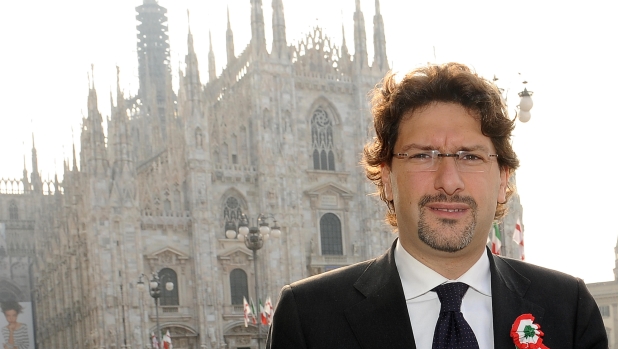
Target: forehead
[442,126]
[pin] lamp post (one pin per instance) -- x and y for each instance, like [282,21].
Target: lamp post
[525,104]
[254,238]
[154,288]
[522,111]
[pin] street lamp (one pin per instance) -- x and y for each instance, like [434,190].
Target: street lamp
[154,287]
[254,238]
[525,104]
[522,111]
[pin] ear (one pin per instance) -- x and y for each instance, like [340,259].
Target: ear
[505,173]
[386,181]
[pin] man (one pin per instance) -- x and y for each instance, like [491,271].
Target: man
[441,161]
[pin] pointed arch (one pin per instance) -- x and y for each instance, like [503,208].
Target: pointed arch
[325,104]
[13,211]
[325,125]
[233,204]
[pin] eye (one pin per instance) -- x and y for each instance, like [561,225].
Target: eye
[420,156]
[471,157]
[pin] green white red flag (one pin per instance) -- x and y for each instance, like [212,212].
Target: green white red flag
[263,314]
[253,312]
[496,240]
[268,308]
[167,340]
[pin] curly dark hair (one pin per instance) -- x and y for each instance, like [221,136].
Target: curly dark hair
[449,83]
[11,305]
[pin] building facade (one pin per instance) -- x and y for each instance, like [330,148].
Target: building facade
[606,296]
[279,132]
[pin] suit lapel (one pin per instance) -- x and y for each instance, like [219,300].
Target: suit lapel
[508,289]
[381,320]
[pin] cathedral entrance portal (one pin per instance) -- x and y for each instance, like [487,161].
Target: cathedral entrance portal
[182,338]
[240,337]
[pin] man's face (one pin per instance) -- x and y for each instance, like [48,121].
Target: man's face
[446,210]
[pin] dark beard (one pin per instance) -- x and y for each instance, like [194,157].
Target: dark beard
[431,237]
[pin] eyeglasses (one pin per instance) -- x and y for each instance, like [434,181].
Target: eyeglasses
[428,160]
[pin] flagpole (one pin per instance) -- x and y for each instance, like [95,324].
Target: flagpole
[254,238]
[255,271]
[158,327]
[155,288]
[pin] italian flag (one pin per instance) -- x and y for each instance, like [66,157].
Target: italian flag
[496,240]
[253,313]
[167,340]
[263,314]
[268,308]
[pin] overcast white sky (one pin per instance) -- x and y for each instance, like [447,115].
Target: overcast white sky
[567,52]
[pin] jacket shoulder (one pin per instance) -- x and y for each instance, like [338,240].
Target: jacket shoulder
[338,277]
[535,272]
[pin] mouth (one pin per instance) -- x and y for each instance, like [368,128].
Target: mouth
[448,207]
[450,213]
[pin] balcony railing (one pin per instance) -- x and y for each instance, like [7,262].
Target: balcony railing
[233,312]
[171,313]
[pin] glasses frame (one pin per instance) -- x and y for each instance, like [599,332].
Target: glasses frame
[457,156]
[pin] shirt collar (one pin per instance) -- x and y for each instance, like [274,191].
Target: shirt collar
[418,279]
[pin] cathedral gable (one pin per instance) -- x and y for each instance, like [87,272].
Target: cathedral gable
[235,258]
[329,195]
[167,256]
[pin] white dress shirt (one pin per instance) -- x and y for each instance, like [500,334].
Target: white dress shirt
[424,306]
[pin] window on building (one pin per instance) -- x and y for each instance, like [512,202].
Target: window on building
[604,309]
[232,212]
[169,297]
[13,211]
[238,286]
[330,235]
[322,141]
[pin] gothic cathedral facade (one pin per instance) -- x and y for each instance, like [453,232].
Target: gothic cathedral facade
[275,139]
[278,133]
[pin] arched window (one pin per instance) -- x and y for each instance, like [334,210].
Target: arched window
[13,211]
[238,286]
[169,297]
[330,235]
[232,212]
[322,141]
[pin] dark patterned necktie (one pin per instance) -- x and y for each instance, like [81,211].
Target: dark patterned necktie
[452,330]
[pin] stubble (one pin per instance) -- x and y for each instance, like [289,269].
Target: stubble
[446,236]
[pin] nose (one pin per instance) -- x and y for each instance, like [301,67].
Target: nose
[447,177]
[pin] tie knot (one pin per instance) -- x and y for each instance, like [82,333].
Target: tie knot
[450,295]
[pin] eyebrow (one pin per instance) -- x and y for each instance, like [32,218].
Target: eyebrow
[415,146]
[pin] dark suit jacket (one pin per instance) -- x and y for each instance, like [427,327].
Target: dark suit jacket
[363,306]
